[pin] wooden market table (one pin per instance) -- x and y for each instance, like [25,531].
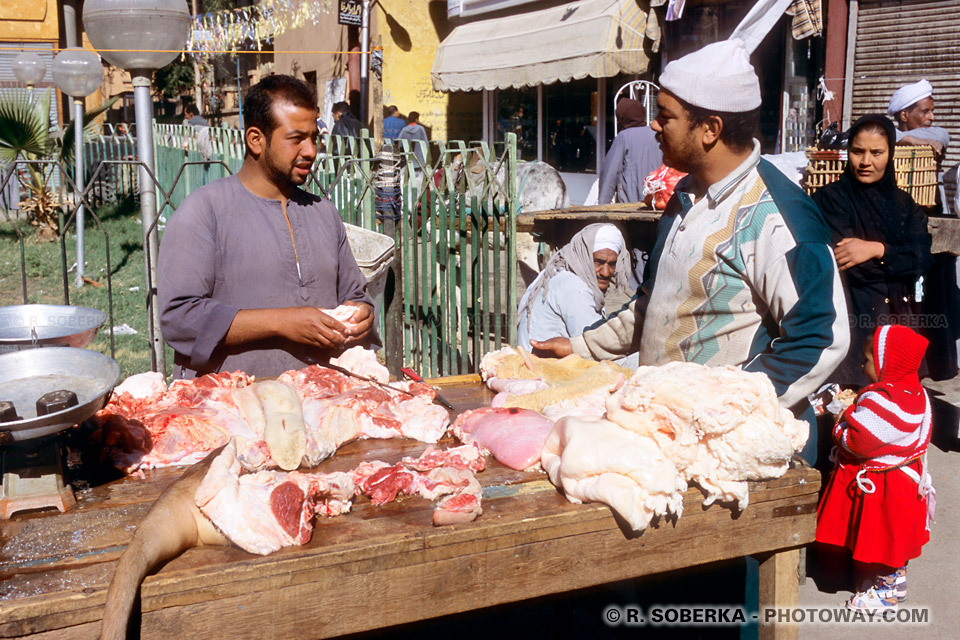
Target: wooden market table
[556,227]
[382,566]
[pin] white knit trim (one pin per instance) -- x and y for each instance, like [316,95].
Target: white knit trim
[888,405]
[882,339]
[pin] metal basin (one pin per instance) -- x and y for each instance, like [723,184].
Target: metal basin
[27,326]
[27,375]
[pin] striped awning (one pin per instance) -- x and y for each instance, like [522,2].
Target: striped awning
[590,38]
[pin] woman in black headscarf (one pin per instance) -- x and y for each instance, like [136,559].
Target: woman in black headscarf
[880,239]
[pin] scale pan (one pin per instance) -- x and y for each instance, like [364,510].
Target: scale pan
[27,375]
[60,325]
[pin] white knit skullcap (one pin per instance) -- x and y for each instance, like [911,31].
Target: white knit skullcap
[718,77]
[608,237]
[907,96]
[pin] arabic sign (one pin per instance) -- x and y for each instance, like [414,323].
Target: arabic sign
[350,13]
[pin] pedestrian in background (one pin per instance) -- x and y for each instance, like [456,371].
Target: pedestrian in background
[633,155]
[393,124]
[344,122]
[415,131]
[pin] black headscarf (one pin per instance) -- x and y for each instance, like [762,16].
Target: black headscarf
[877,212]
[630,113]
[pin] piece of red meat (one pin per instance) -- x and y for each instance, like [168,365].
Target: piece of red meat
[513,436]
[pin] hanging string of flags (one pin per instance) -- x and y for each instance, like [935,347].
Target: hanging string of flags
[251,27]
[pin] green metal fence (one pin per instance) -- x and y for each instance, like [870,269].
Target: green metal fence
[456,264]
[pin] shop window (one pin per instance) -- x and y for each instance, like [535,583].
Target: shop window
[570,125]
[516,112]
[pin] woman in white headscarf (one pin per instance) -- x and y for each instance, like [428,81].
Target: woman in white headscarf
[568,295]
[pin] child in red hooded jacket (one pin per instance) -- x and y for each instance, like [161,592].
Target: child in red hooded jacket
[879,499]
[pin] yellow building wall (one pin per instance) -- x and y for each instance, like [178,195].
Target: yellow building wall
[411,31]
[28,20]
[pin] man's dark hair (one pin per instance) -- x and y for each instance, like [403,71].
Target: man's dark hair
[258,105]
[392,110]
[191,110]
[412,117]
[739,129]
[341,107]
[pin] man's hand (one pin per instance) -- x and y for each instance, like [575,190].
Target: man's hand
[309,325]
[552,348]
[913,141]
[361,323]
[853,251]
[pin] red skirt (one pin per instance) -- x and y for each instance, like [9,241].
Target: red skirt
[888,526]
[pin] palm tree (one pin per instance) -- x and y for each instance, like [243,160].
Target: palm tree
[25,132]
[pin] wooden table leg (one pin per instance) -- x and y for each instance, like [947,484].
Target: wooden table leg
[779,590]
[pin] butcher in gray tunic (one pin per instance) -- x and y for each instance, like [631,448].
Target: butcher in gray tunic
[249,262]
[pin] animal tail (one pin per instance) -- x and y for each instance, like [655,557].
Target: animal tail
[169,528]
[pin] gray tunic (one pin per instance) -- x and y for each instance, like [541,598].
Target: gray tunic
[226,249]
[633,155]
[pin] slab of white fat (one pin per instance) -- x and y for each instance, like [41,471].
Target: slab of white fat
[720,426]
[363,362]
[600,461]
[284,431]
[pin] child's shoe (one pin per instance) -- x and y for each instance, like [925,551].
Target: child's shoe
[893,585]
[869,600]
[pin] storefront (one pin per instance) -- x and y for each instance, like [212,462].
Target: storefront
[549,74]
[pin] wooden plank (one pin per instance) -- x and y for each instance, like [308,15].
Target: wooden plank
[779,589]
[630,213]
[522,563]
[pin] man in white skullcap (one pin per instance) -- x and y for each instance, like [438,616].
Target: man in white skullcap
[568,295]
[742,272]
[912,109]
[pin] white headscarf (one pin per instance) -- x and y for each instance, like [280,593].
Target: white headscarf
[908,96]
[608,237]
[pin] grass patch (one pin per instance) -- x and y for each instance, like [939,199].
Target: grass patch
[120,224]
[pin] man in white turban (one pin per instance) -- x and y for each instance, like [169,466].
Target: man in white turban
[741,272]
[912,109]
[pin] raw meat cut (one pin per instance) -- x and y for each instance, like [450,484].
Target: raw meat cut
[681,422]
[600,461]
[362,362]
[721,425]
[264,511]
[183,423]
[142,385]
[554,387]
[513,436]
[284,431]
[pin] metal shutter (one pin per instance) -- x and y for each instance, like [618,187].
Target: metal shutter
[902,41]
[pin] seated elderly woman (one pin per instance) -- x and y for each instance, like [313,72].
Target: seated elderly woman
[568,295]
[880,239]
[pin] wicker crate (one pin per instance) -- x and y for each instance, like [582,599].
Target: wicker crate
[916,171]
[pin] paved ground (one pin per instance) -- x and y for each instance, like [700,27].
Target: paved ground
[932,578]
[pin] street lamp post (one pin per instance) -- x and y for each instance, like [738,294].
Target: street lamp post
[78,73]
[140,36]
[29,68]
